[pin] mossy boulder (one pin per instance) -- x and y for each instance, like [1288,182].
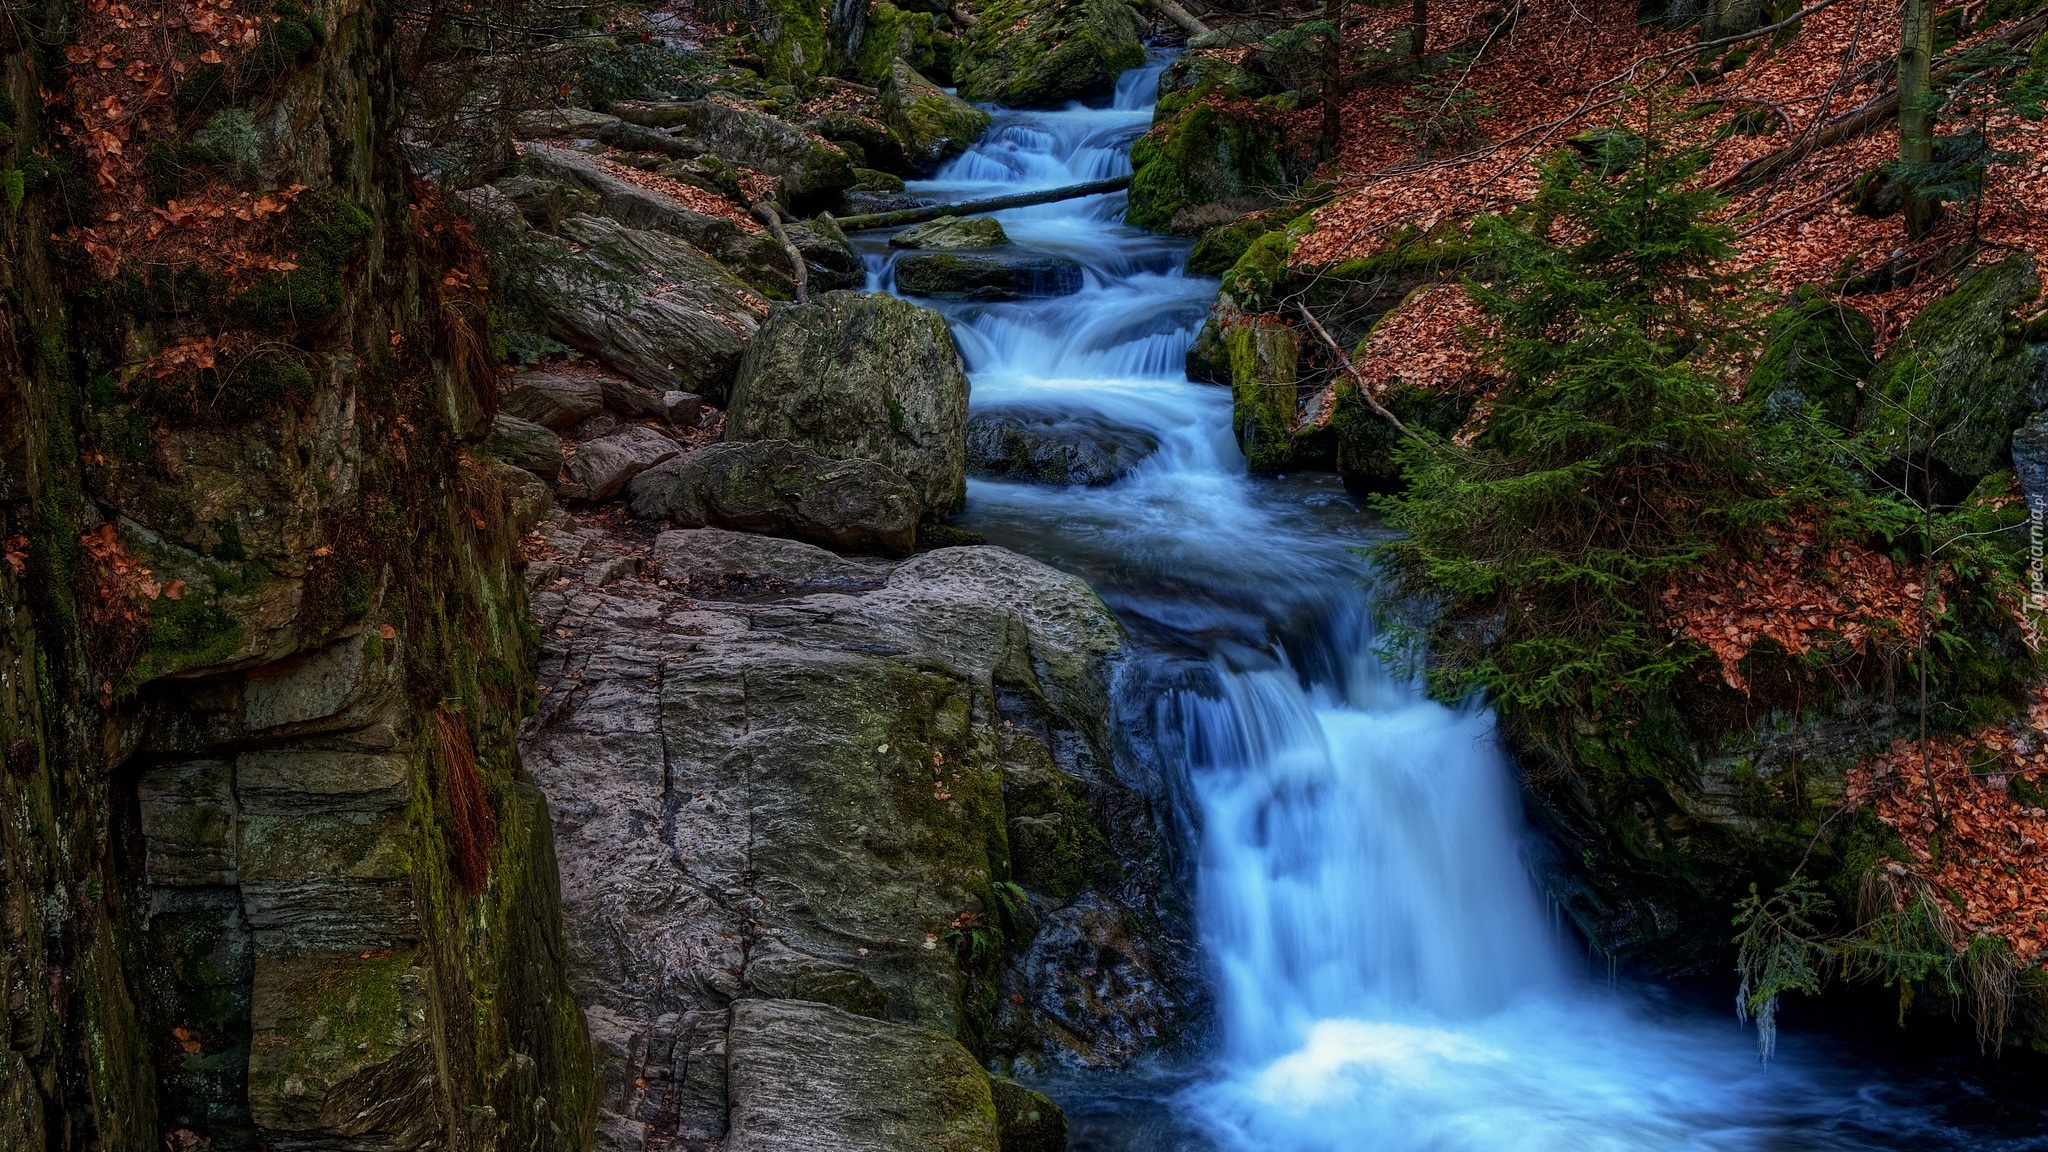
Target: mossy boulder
[864,131]
[1221,247]
[1264,357]
[863,377]
[1817,357]
[952,232]
[933,124]
[1200,166]
[1956,384]
[811,172]
[1365,441]
[894,34]
[790,40]
[1044,53]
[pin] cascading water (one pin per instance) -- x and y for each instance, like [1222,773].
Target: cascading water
[1386,974]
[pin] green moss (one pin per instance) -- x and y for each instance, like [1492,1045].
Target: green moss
[1202,156]
[1043,53]
[1220,248]
[1956,384]
[327,232]
[1263,387]
[1817,357]
[791,41]
[193,632]
[893,33]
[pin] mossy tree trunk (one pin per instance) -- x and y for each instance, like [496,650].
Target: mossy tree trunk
[1916,111]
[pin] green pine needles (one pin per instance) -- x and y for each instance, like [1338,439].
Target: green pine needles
[1613,456]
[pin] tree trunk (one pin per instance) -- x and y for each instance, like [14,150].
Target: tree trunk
[1916,109]
[1418,28]
[1333,77]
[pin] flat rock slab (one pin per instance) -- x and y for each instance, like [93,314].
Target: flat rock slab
[949,233]
[807,1077]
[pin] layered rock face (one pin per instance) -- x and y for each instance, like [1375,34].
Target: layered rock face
[887,790]
[274,876]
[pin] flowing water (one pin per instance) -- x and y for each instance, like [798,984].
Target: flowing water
[1386,975]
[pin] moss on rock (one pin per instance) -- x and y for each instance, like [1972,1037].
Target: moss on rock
[1954,387]
[1817,357]
[1043,53]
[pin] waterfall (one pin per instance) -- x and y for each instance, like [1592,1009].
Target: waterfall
[1387,976]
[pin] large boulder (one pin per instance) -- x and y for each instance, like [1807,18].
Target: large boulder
[987,275]
[1955,385]
[783,489]
[811,171]
[866,377]
[872,785]
[650,305]
[808,1077]
[933,124]
[894,32]
[601,467]
[1264,361]
[1043,53]
[1053,447]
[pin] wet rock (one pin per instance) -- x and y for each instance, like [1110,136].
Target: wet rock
[987,275]
[812,173]
[600,468]
[933,124]
[524,444]
[809,1078]
[650,305]
[952,232]
[867,377]
[783,489]
[554,402]
[1053,448]
[1043,53]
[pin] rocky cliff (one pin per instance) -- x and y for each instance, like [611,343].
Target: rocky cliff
[274,874]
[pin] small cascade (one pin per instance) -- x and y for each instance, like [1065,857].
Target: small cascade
[1387,976]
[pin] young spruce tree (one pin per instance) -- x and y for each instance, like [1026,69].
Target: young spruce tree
[1614,455]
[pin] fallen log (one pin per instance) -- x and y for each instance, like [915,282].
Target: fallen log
[904,216]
